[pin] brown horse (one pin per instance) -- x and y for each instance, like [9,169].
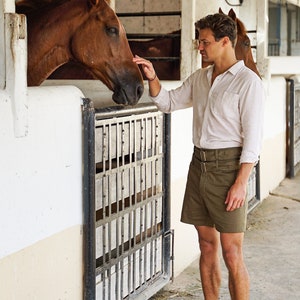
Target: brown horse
[165,47]
[86,33]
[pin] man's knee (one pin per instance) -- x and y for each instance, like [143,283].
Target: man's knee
[233,257]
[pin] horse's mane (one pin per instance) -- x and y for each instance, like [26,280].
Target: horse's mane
[241,27]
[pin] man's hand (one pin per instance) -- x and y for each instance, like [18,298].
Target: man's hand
[154,84]
[236,195]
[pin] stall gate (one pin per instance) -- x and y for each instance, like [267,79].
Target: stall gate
[129,251]
[293,128]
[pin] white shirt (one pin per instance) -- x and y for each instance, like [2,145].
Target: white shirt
[228,113]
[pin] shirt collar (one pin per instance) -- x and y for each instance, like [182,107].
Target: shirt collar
[233,70]
[236,67]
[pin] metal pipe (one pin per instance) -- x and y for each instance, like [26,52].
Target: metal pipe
[166,189]
[149,14]
[291,128]
[89,200]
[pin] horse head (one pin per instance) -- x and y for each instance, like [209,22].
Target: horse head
[243,45]
[87,33]
[101,45]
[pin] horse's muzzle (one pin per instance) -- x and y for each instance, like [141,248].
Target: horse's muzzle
[128,94]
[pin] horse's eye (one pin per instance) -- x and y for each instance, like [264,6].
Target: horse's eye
[247,43]
[112,31]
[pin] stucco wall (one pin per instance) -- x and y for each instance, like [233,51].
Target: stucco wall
[41,197]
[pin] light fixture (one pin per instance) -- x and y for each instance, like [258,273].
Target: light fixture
[240,3]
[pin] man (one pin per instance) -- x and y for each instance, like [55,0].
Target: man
[227,100]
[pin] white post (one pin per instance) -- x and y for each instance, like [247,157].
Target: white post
[190,58]
[16,70]
[2,47]
[112,4]
[262,39]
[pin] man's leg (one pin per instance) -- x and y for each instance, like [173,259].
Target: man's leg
[209,264]
[232,249]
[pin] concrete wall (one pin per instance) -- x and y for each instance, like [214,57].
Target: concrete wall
[41,197]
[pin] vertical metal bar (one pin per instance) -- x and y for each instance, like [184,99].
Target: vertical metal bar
[104,205]
[141,196]
[257,180]
[146,198]
[122,205]
[117,199]
[89,200]
[157,162]
[153,186]
[130,192]
[134,212]
[291,129]
[109,231]
[166,189]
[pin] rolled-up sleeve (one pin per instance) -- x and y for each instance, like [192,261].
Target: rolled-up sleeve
[252,113]
[179,98]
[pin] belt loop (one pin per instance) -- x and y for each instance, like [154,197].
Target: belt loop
[203,167]
[217,157]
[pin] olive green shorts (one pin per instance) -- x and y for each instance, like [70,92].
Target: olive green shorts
[211,174]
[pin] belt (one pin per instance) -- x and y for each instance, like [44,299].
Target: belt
[213,159]
[209,155]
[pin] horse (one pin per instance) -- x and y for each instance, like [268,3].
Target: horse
[86,33]
[161,47]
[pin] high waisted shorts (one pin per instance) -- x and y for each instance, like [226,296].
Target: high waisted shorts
[211,174]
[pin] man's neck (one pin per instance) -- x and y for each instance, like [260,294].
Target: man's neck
[222,65]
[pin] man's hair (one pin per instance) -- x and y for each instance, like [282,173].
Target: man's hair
[221,25]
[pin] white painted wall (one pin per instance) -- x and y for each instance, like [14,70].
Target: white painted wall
[273,154]
[41,197]
[41,173]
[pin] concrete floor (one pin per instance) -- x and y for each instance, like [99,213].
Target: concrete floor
[271,248]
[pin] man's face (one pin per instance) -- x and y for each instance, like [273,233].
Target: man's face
[209,48]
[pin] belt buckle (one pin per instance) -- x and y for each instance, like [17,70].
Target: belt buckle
[203,167]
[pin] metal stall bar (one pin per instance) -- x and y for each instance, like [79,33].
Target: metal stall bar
[293,128]
[253,188]
[89,199]
[150,14]
[133,244]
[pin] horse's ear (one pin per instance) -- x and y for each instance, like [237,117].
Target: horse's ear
[232,14]
[94,2]
[221,11]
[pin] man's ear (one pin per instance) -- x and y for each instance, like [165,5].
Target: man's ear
[226,41]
